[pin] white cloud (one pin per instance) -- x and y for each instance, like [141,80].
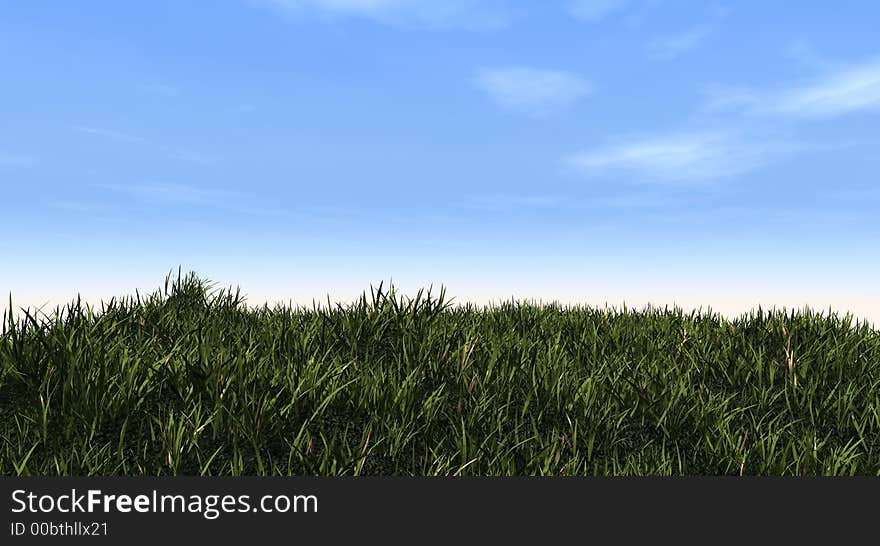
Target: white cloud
[841,91]
[432,13]
[846,91]
[532,91]
[594,10]
[667,48]
[697,157]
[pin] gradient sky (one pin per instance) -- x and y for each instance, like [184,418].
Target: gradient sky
[666,151]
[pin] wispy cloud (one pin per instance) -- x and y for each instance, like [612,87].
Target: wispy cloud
[719,97]
[595,10]
[691,158]
[179,194]
[419,13]
[673,46]
[667,48]
[846,91]
[803,53]
[107,133]
[179,154]
[196,157]
[532,91]
[79,206]
[187,195]
[841,91]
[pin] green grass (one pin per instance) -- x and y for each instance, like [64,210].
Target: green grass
[190,380]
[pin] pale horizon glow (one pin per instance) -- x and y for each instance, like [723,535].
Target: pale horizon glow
[730,306]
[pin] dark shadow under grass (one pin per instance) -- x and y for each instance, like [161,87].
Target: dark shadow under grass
[190,380]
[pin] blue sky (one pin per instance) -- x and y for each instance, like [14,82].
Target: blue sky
[663,151]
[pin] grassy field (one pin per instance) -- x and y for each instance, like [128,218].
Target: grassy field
[189,380]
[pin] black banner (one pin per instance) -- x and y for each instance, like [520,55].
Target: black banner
[388,510]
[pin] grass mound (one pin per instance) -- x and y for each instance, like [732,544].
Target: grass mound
[190,380]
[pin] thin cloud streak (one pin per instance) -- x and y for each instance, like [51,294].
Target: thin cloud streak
[847,91]
[182,194]
[468,14]
[721,97]
[803,53]
[195,157]
[842,91]
[668,48]
[179,154]
[697,157]
[107,133]
[532,91]
[673,46]
[176,193]
[594,10]
[79,206]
